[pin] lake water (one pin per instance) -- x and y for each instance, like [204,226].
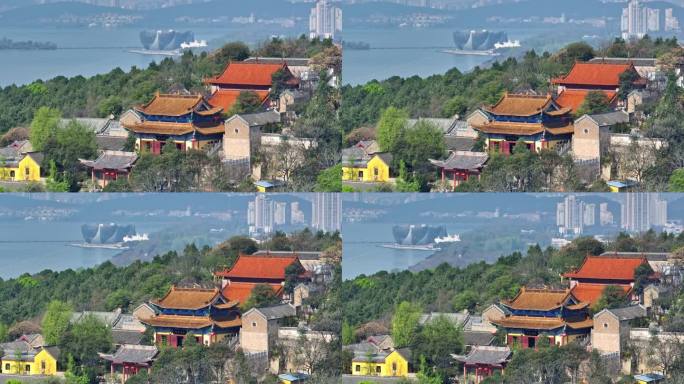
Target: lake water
[30,247]
[362,253]
[97,50]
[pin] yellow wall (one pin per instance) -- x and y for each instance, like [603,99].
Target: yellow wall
[376,163]
[27,170]
[31,367]
[394,365]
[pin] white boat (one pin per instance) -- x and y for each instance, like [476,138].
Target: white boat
[448,239]
[143,237]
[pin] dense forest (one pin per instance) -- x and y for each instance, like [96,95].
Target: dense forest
[456,92]
[107,286]
[476,286]
[393,302]
[114,92]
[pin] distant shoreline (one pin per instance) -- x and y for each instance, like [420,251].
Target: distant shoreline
[8,44]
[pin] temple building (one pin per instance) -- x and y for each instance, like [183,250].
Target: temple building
[249,271]
[573,87]
[187,121]
[483,362]
[110,166]
[597,272]
[257,77]
[556,314]
[460,166]
[204,314]
[538,121]
[128,360]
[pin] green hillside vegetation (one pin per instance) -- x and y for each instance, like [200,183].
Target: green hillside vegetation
[395,300]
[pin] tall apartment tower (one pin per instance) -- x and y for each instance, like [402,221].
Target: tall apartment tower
[570,216]
[326,212]
[643,211]
[325,21]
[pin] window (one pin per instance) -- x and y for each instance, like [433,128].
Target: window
[357,369]
[237,131]
[605,325]
[164,340]
[586,131]
[253,323]
[27,368]
[27,171]
[7,367]
[394,367]
[377,369]
[42,365]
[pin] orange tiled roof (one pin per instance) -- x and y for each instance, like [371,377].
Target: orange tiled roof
[239,291]
[163,128]
[529,322]
[192,322]
[226,98]
[188,298]
[171,105]
[520,105]
[259,267]
[594,74]
[573,98]
[607,268]
[256,74]
[539,299]
[509,128]
[590,293]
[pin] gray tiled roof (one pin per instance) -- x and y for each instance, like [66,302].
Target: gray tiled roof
[121,336]
[386,157]
[485,355]
[463,160]
[291,61]
[638,61]
[611,118]
[458,143]
[278,311]
[456,318]
[477,338]
[355,156]
[445,125]
[138,354]
[629,313]
[261,118]
[111,143]
[302,255]
[112,160]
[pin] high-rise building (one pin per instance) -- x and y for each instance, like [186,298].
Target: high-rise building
[605,215]
[589,218]
[653,20]
[296,214]
[671,22]
[634,20]
[280,214]
[326,212]
[570,216]
[325,21]
[642,211]
[262,212]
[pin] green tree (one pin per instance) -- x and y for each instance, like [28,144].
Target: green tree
[612,297]
[437,340]
[405,324]
[66,147]
[247,102]
[390,128]
[330,180]
[44,126]
[595,102]
[347,333]
[262,296]
[677,181]
[56,321]
[85,339]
